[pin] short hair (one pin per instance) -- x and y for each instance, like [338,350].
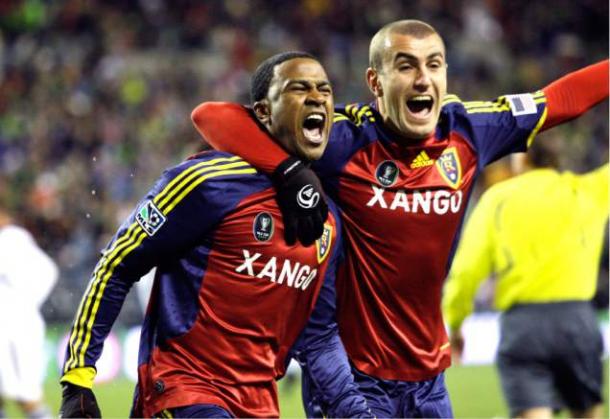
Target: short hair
[415,28]
[261,79]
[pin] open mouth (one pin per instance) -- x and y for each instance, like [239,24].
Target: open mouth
[420,106]
[313,127]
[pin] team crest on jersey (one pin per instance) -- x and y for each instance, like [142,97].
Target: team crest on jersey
[448,165]
[387,173]
[150,218]
[324,242]
[263,227]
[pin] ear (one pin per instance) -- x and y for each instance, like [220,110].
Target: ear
[372,79]
[262,111]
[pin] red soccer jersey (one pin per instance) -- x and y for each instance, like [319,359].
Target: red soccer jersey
[230,297]
[402,207]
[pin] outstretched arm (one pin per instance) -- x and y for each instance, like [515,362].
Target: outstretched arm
[576,92]
[511,123]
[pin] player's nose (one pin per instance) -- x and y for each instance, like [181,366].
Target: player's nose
[422,79]
[315,97]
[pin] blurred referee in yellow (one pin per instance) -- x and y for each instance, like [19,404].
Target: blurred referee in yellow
[541,234]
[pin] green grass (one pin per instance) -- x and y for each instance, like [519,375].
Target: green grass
[475,393]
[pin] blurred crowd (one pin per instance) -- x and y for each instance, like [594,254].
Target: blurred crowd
[95,95]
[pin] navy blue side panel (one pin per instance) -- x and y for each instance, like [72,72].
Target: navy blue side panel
[178,281]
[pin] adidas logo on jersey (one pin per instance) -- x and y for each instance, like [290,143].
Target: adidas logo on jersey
[422,160]
[289,273]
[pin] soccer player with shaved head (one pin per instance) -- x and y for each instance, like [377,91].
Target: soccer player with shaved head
[402,169]
[231,301]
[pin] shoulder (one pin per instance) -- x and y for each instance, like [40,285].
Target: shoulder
[515,104]
[208,177]
[210,167]
[355,114]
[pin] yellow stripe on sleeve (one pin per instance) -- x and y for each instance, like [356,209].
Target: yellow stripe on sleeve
[203,178]
[534,132]
[77,332]
[162,202]
[491,109]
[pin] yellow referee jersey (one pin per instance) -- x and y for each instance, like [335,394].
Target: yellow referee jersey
[540,233]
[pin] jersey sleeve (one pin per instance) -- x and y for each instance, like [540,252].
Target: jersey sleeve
[321,354]
[472,264]
[497,128]
[174,216]
[576,92]
[233,128]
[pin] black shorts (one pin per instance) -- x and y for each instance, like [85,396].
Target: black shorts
[550,355]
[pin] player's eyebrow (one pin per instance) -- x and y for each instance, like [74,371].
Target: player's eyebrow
[317,83]
[411,57]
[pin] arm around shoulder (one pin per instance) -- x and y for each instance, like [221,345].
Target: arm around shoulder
[232,128]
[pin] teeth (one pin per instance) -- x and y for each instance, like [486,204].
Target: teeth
[420,98]
[316,117]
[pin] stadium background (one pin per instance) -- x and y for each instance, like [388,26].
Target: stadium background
[95,98]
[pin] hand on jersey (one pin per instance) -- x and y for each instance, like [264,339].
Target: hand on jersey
[301,200]
[78,402]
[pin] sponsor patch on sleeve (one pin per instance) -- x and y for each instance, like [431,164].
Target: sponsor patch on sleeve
[150,218]
[522,104]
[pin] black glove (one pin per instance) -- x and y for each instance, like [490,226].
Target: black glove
[78,402]
[301,200]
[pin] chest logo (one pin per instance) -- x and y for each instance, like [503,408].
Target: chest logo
[263,227]
[324,242]
[448,165]
[150,218]
[387,173]
[422,160]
